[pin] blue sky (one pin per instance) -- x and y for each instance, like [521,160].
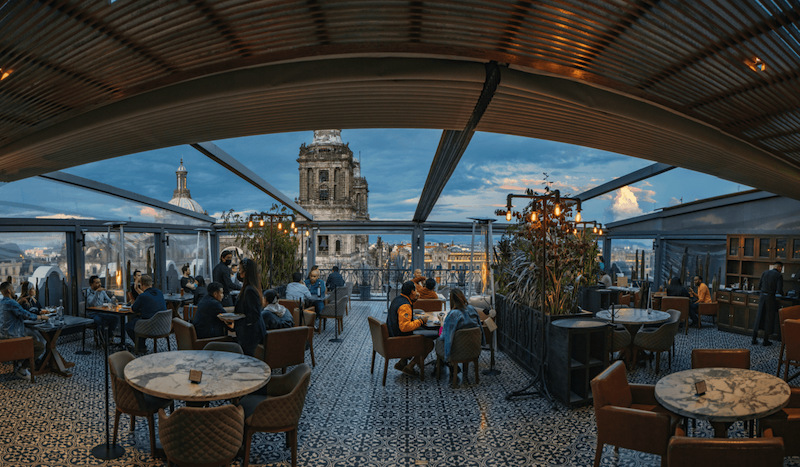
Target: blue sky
[396,162]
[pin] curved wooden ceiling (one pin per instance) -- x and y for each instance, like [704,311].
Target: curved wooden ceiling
[674,82]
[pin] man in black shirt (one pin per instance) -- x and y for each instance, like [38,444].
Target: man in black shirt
[187,281]
[206,323]
[222,275]
[335,279]
[771,283]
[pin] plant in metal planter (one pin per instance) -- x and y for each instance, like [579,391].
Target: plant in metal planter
[271,239]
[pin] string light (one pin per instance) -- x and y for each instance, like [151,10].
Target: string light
[308,233]
[508,215]
[285,231]
[292,227]
[534,216]
[595,229]
[261,223]
[578,217]
[295,229]
[280,226]
[558,210]
[250,224]
[601,231]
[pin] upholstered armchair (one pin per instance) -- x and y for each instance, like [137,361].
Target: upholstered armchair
[628,415]
[279,410]
[394,347]
[201,436]
[336,309]
[18,348]
[767,451]
[284,347]
[678,303]
[159,326]
[308,318]
[786,424]
[707,309]
[186,336]
[429,305]
[466,349]
[658,340]
[787,312]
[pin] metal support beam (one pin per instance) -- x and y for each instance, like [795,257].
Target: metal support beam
[226,160]
[633,177]
[452,145]
[418,248]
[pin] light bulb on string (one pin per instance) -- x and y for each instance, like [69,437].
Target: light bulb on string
[534,216]
[280,226]
[601,231]
[292,227]
[308,233]
[595,229]
[575,232]
[295,230]
[508,215]
[261,222]
[250,224]
[578,217]
[285,231]
[558,210]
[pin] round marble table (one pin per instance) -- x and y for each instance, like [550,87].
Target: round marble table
[634,316]
[226,375]
[732,394]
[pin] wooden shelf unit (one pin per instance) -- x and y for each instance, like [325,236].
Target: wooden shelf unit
[576,354]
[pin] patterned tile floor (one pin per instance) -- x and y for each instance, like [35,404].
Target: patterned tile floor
[349,418]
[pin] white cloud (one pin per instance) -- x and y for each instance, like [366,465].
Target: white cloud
[625,204]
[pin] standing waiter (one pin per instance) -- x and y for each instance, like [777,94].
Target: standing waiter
[771,283]
[222,274]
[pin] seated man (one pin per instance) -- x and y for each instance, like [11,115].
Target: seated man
[400,323]
[275,316]
[136,286]
[316,287]
[96,297]
[188,283]
[335,279]
[206,323]
[703,295]
[428,291]
[418,278]
[149,302]
[12,316]
[297,290]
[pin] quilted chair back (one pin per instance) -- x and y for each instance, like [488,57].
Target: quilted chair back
[659,340]
[231,347]
[124,394]
[202,435]
[466,345]
[285,347]
[676,303]
[380,334]
[721,358]
[764,452]
[184,334]
[611,387]
[620,338]
[429,305]
[335,309]
[281,411]
[159,325]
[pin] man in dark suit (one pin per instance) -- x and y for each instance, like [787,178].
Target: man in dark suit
[206,323]
[771,283]
[149,302]
[222,275]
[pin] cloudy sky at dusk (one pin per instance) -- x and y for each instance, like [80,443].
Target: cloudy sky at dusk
[396,163]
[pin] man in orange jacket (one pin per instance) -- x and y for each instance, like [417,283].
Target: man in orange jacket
[400,321]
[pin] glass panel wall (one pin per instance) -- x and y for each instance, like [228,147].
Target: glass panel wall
[37,257]
[187,250]
[104,258]
[626,255]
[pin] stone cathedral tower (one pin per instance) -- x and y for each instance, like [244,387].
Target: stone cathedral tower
[332,188]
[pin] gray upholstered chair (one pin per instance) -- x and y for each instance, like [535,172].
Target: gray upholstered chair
[160,325]
[131,401]
[202,436]
[231,347]
[279,410]
[466,349]
[660,339]
[186,336]
[335,309]
[620,342]
[444,292]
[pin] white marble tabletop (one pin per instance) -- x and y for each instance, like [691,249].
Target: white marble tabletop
[225,375]
[634,316]
[732,394]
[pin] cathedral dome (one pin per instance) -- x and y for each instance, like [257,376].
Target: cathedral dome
[181,196]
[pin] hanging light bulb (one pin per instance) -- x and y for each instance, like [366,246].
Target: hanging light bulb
[508,215]
[558,210]
[578,217]
[295,230]
[534,216]
[250,224]
[261,222]
[280,226]
[575,232]
[601,231]
[285,231]
[308,233]
[292,227]
[595,229]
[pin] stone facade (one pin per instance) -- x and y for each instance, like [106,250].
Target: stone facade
[332,188]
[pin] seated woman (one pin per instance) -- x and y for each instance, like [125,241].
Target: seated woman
[461,316]
[250,330]
[28,298]
[200,289]
[275,316]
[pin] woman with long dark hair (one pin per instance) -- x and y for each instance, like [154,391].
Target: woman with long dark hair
[461,316]
[27,298]
[250,330]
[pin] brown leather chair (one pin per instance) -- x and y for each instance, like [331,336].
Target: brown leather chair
[187,339]
[707,309]
[488,334]
[678,303]
[394,347]
[786,424]
[189,312]
[18,348]
[130,401]
[279,410]
[787,312]
[723,452]
[231,347]
[628,415]
[429,305]
[285,347]
[721,358]
[309,318]
[201,436]
[624,299]
[466,349]
[791,335]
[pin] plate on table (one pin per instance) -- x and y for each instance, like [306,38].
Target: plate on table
[231,316]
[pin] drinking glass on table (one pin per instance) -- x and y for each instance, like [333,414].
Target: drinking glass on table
[441,317]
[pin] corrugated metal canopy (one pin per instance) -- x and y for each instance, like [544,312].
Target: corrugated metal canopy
[674,82]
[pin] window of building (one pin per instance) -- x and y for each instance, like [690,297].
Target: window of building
[323,176]
[323,244]
[338,246]
[323,194]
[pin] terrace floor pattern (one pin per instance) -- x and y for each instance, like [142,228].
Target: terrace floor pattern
[349,418]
